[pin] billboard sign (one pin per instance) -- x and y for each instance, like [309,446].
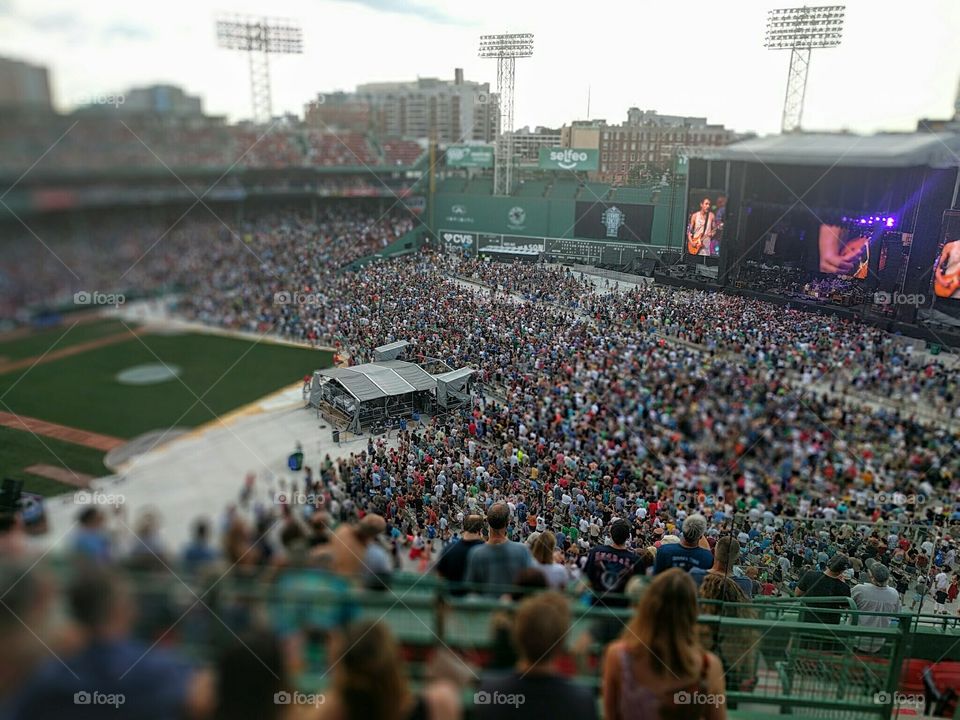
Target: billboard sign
[570,159]
[457,241]
[510,245]
[470,156]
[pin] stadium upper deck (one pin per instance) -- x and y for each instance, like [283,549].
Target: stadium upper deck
[66,145]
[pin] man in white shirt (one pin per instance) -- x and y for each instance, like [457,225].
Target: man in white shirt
[875,596]
[940,585]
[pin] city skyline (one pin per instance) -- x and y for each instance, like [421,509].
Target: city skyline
[617,52]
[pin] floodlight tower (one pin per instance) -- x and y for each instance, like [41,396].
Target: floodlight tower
[801,30]
[259,38]
[506,48]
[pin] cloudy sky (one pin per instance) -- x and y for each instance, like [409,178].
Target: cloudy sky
[899,60]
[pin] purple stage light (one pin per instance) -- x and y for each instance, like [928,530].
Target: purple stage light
[890,222]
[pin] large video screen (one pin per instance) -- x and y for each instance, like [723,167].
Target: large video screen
[706,216]
[946,273]
[844,250]
[614,221]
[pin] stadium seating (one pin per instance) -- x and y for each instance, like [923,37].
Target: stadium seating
[805,668]
[123,143]
[401,152]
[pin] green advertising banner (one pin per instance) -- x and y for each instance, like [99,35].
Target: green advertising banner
[470,156]
[569,159]
[486,213]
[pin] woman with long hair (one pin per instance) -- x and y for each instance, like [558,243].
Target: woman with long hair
[543,549]
[734,645]
[658,670]
[370,681]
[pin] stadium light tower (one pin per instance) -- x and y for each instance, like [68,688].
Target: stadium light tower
[506,48]
[801,30]
[260,38]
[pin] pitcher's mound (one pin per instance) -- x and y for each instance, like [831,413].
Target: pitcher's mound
[149,374]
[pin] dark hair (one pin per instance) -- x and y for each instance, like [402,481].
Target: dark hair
[727,552]
[498,516]
[473,523]
[839,563]
[528,581]
[8,521]
[93,595]
[620,531]
[250,676]
[201,529]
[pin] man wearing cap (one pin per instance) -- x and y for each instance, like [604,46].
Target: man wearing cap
[829,583]
[875,596]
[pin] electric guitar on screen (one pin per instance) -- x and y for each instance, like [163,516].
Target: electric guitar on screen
[701,230]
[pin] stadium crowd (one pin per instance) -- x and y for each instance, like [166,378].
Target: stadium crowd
[119,141]
[726,447]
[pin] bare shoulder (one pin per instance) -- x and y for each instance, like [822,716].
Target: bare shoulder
[443,699]
[612,652]
[715,679]
[329,709]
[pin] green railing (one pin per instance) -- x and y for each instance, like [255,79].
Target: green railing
[777,658]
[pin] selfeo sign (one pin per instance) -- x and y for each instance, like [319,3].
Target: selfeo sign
[568,159]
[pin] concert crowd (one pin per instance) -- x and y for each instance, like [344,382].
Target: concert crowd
[723,446]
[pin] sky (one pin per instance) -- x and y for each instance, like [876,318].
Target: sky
[898,62]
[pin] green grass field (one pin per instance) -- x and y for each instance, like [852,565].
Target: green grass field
[81,391]
[58,338]
[20,449]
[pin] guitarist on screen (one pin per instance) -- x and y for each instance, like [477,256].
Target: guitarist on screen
[701,229]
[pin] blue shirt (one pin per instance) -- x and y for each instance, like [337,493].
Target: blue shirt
[92,544]
[676,555]
[120,675]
